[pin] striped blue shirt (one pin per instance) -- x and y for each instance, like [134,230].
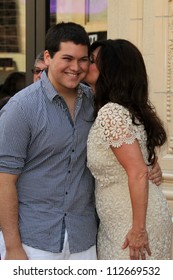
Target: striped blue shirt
[40,142]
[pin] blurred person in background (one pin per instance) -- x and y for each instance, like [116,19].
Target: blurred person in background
[39,67]
[15,82]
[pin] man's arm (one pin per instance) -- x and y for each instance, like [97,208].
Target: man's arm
[9,217]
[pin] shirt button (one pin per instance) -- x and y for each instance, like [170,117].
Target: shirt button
[73,150]
[69,171]
[65,214]
[66,193]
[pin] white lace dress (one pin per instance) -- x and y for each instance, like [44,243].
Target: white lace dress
[113,126]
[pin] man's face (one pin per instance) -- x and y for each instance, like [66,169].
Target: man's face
[38,69]
[68,66]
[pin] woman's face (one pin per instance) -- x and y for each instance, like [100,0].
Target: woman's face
[93,72]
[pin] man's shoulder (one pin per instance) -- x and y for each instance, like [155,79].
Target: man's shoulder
[29,94]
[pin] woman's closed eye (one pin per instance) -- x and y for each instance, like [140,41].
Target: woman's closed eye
[92,59]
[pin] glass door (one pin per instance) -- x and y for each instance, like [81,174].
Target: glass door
[12,37]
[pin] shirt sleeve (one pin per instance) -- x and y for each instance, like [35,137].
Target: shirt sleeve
[115,125]
[14,138]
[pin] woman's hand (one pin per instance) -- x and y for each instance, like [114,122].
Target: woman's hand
[137,240]
[155,175]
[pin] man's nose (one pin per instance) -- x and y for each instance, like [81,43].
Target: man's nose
[75,65]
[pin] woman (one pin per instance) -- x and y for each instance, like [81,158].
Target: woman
[135,221]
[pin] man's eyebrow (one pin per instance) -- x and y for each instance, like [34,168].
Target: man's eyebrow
[71,56]
[65,54]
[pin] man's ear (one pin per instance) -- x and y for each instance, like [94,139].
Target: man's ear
[47,57]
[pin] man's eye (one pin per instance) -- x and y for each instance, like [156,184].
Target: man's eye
[84,60]
[67,58]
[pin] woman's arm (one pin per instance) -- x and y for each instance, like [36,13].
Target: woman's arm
[9,217]
[155,175]
[130,157]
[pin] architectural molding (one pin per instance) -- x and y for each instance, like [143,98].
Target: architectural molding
[168,178]
[169,94]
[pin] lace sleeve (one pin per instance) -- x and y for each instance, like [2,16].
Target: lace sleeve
[115,125]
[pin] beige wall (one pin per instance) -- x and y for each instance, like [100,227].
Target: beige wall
[149,25]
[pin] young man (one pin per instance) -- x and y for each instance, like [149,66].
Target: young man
[47,206]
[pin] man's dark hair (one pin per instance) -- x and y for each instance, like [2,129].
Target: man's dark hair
[64,32]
